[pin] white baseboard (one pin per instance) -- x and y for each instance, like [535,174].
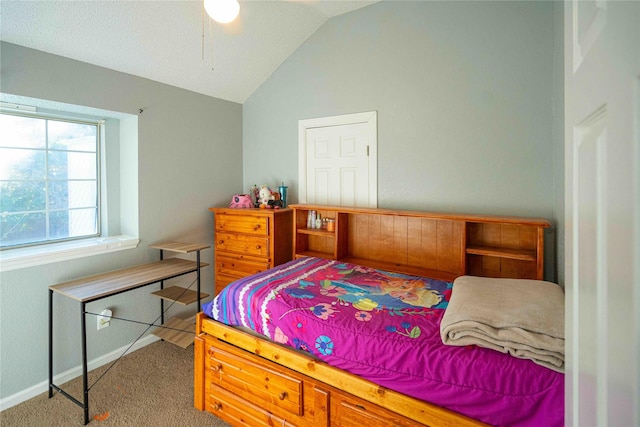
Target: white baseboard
[72,373]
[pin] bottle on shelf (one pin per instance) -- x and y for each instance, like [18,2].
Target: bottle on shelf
[331,224]
[311,219]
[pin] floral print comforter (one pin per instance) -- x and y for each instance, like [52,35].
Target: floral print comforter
[384,327]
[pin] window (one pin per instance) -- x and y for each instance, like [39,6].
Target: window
[49,186]
[97,190]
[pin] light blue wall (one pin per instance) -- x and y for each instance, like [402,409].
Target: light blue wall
[558,139]
[465,95]
[189,159]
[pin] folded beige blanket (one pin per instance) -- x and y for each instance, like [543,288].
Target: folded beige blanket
[524,318]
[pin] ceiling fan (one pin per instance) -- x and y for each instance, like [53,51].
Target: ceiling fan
[222,11]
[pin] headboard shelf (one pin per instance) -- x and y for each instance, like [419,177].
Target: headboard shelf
[442,246]
[316,232]
[314,254]
[524,255]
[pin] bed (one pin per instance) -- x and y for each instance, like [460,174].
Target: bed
[320,342]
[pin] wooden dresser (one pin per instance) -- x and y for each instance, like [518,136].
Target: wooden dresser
[248,241]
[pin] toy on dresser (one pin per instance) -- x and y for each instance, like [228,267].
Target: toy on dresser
[268,199]
[241,201]
[264,195]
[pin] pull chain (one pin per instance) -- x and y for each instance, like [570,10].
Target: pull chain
[211,42]
[203,31]
[204,17]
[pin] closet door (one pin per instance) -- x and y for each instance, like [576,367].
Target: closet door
[338,160]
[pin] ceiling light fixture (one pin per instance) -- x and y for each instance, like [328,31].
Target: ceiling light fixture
[222,11]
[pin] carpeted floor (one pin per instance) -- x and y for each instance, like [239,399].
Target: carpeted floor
[152,386]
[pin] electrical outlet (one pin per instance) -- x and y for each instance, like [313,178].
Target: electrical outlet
[104,318]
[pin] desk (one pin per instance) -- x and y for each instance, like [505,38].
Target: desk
[104,285]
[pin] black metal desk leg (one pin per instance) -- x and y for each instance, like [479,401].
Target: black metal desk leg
[198,275]
[161,287]
[50,343]
[85,380]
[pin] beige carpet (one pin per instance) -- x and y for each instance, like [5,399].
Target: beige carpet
[152,386]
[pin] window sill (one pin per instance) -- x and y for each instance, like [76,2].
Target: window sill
[13,259]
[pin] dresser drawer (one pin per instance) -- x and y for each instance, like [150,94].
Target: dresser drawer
[222,281]
[242,244]
[253,225]
[253,381]
[237,267]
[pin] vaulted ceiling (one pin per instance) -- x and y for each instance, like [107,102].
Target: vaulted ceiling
[173,42]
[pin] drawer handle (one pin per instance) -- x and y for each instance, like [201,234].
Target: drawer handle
[257,227]
[217,406]
[257,246]
[217,368]
[221,242]
[283,395]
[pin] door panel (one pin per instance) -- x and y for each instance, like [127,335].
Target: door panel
[338,165]
[589,214]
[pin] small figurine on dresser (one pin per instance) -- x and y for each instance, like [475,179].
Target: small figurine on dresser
[265,195]
[268,199]
[276,202]
[241,201]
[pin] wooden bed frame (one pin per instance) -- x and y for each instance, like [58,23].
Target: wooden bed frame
[246,379]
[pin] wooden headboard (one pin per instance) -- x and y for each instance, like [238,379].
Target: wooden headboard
[437,245]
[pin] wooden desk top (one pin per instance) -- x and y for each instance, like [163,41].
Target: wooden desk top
[102,285]
[181,247]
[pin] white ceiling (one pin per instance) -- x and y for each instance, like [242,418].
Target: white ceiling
[163,40]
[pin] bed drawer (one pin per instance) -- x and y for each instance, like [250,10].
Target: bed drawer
[238,411]
[242,244]
[258,226]
[350,411]
[237,267]
[253,381]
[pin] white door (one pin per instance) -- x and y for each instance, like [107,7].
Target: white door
[338,162]
[602,146]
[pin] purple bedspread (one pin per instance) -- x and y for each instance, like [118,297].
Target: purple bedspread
[385,327]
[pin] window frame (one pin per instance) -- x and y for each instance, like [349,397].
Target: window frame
[99,123]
